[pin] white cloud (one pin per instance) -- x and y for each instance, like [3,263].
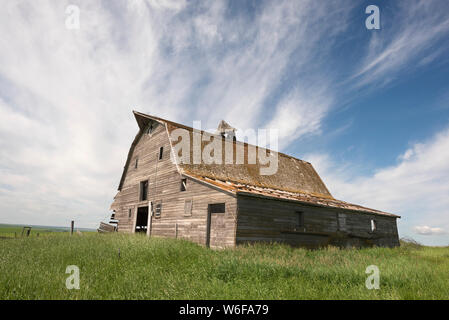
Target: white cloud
[407,155]
[167,4]
[298,114]
[254,55]
[427,231]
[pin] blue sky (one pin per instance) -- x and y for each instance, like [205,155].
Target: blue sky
[368,108]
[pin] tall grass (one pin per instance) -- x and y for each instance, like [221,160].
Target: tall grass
[34,268]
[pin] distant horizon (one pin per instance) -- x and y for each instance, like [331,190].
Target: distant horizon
[44,226]
[91,229]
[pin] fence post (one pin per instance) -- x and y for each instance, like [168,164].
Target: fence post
[71,227]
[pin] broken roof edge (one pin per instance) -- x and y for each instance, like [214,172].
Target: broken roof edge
[208,183]
[236,181]
[232,187]
[363,210]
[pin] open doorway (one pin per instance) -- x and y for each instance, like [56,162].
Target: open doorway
[142,220]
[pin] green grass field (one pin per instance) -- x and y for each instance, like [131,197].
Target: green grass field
[34,268]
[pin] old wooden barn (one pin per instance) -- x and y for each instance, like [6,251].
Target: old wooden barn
[223,205]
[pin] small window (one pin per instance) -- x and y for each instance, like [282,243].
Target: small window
[183,184]
[217,208]
[299,220]
[144,190]
[373,225]
[129,213]
[136,163]
[188,208]
[150,128]
[158,210]
[341,221]
[161,153]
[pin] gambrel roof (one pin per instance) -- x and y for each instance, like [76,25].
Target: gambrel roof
[295,179]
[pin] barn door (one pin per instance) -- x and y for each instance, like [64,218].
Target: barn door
[215,225]
[142,220]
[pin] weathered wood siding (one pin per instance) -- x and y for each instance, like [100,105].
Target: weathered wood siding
[271,220]
[193,227]
[165,188]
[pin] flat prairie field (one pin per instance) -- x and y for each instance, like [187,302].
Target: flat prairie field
[123,266]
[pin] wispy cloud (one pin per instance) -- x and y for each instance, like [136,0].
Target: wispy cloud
[409,36]
[299,114]
[428,231]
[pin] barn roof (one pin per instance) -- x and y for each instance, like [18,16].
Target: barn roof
[305,198]
[295,179]
[292,175]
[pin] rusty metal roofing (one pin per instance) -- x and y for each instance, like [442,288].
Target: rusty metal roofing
[291,175]
[306,198]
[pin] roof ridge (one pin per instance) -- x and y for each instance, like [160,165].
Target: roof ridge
[176,124]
